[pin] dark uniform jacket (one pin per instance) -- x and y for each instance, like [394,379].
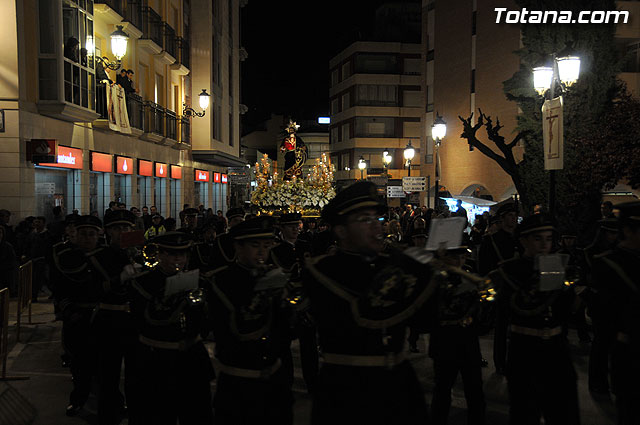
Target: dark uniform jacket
[495,249]
[223,252]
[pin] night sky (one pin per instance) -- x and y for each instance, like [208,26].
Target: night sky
[289,44]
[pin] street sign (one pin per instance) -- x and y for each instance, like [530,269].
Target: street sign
[414,184]
[395,192]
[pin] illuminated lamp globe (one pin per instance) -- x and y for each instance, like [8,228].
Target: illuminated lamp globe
[439,128]
[542,77]
[204,99]
[119,40]
[569,69]
[409,152]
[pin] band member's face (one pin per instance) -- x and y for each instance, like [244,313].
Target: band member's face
[172,262]
[362,232]
[114,233]
[253,253]
[290,231]
[538,243]
[87,238]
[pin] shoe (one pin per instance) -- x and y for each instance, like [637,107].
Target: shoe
[73,409]
[484,362]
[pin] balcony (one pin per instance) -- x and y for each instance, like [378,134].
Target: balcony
[153,122]
[101,101]
[134,13]
[115,5]
[170,45]
[152,31]
[181,66]
[185,133]
[135,107]
[172,125]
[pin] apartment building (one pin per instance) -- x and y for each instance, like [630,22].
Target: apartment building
[55,91]
[377,101]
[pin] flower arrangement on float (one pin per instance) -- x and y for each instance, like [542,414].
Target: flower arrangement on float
[307,196]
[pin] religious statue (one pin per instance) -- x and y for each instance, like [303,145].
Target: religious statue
[295,153]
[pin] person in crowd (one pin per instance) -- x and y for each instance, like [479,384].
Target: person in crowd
[406,217]
[139,222]
[395,235]
[575,274]
[8,265]
[203,251]
[156,227]
[615,273]
[541,379]
[39,246]
[501,245]
[153,210]
[224,252]
[132,85]
[454,344]
[77,293]
[361,304]
[146,217]
[223,220]
[599,309]
[170,224]
[122,80]
[9,235]
[190,225]
[174,366]
[56,226]
[251,327]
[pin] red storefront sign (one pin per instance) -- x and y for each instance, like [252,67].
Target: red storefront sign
[42,150]
[124,165]
[216,177]
[224,179]
[176,172]
[145,168]
[67,158]
[101,162]
[202,176]
[161,169]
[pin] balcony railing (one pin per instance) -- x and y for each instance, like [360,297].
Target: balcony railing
[152,26]
[134,12]
[135,108]
[170,45]
[185,130]
[116,5]
[183,51]
[154,122]
[101,101]
[172,125]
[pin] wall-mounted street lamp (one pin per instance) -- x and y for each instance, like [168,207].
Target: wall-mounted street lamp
[204,104]
[119,41]
[362,165]
[386,160]
[409,153]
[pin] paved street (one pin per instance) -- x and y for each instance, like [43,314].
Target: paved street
[42,398]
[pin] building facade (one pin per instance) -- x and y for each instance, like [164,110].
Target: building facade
[56,90]
[377,101]
[467,56]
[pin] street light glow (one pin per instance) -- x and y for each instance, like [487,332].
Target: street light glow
[119,41]
[409,152]
[204,99]
[362,164]
[569,69]
[439,128]
[542,77]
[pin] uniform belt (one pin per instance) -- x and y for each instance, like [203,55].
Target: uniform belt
[264,373]
[623,337]
[114,307]
[544,333]
[183,345]
[389,360]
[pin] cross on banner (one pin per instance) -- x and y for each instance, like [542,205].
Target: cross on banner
[552,132]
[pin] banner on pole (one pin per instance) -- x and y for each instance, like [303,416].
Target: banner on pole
[552,131]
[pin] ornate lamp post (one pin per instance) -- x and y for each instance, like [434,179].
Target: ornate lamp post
[438,131]
[362,165]
[562,73]
[409,153]
[119,40]
[204,98]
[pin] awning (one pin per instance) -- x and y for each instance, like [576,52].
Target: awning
[218,158]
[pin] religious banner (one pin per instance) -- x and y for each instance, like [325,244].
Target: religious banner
[117,108]
[552,131]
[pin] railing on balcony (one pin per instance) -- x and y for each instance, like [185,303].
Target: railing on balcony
[134,13]
[135,109]
[101,101]
[116,5]
[154,122]
[183,51]
[185,130]
[152,26]
[170,40]
[172,125]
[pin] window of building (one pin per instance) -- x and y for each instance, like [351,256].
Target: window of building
[335,78]
[334,134]
[345,163]
[143,76]
[367,63]
[159,90]
[375,127]
[346,101]
[412,66]
[346,70]
[345,132]
[335,108]
[376,95]
[412,98]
